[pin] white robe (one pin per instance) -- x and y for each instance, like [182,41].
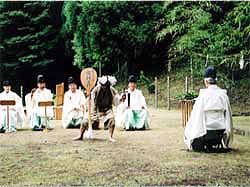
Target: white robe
[16,112]
[42,96]
[137,102]
[28,104]
[72,101]
[211,111]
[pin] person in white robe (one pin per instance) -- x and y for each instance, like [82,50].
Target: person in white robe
[210,123]
[73,106]
[38,119]
[132,112]
[16,112]
[28,103]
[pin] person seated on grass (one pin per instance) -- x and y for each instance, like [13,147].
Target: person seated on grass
[132,112]
[209,128]
[42,94]
[16,112]
[73,106]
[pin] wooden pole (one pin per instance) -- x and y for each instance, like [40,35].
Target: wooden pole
[192,74]
[156,94]
[46,125]
[8,120]
[182,113]
[186,85]
[89,110]
[168,92]
[21,90]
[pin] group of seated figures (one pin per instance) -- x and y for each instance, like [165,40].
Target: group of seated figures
[209,127]
[131,110]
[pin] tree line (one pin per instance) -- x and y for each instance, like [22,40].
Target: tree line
[57,38]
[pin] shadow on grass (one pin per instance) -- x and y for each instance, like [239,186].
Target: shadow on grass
[224,151]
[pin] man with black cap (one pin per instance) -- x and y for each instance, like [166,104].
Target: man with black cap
[42,94]
[135,115]
[16,112]
[73,106]
[210,124]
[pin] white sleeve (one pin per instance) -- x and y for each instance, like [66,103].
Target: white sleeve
[67,107]
[228,123]
[195,126]
[143,101]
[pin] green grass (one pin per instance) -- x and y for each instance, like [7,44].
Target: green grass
[152,157]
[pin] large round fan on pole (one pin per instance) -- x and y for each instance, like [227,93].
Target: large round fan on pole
[88,79]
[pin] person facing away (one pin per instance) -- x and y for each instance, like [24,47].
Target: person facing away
[132,112]
[16,112]
[42,94]
[73,106]
[104,96]
[210,124]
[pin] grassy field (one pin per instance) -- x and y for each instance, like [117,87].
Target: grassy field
[152,157]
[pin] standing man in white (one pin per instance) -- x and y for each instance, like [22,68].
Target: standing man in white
[41,94]
[16,112]
[73,106]
[210,124]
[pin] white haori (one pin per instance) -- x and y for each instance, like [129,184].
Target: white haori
[137,100]
[73,107]
[211,111]
[42,96]
[16,112]
[120,114]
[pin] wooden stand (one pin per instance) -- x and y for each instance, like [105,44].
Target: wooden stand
[59,101]
[186,109]
[7,103]
[45,104]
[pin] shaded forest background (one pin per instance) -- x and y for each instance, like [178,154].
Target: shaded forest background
[143,38]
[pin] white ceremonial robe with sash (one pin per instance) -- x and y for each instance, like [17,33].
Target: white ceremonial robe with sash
[136,116]
[211,111]
[16,112]
[39,112]
[71,102]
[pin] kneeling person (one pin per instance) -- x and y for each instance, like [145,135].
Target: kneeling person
[73,106]
[42,94]
[132,112]
[16,112]
[210,124]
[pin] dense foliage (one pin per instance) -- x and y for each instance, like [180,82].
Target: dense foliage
[207,33]
[125,36]
[29,35]
[111,33]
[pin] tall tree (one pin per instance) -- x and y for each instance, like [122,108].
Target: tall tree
[209,33]
[28,38]
[111,33]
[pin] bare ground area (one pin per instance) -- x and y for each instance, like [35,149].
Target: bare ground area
[153,157]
